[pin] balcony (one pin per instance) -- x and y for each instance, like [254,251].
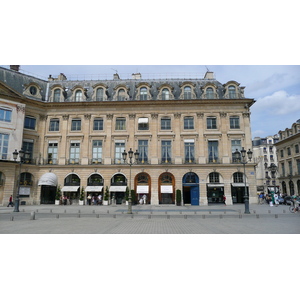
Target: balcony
[95,161]
[51,161]
[213,160]
[166,161]
[73,161]
[189,161]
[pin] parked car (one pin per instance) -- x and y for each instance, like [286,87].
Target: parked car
[281,200]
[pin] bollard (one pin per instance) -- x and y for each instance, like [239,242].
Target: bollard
[240,211]
[195,213]
[221,216]
[180,212]
[108,211]
[210,212]
[11,218]
[166,212]
[50,210]
[122,212]
[254,211]
[65,211]
[283,211]
[203,216]
[97,216]
[151,212]
[225,212]
[79,211]
[93,211]
[168,216]
[257,216]
[78,215]
[114,216]
[23,210]
[185,216]
[132,216]
[57,216]
[276,216]
[32,215]
[269,211]
[149,216]
[240,216]
[37,210]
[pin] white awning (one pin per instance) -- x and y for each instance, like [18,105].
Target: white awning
[215,185]
[93,188]
[117,189]
[70,189]
[143,121]
[48,179]
[239,184]
[142,189]
[166,189]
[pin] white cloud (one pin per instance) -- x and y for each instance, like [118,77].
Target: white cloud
[279,103]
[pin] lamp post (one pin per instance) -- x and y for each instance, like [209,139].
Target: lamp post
[273,169]
[130,163]
[241,157]
[15,156]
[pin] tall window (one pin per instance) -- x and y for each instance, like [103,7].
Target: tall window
[298,166]
[143,124]
[235,145]
[76,125]
[28,147]
[290,168]
[54,125]
[5,115]
[120,124]
[99,94]
[165,124]
[74,153]
[189,151]
[209,93]
[56,95]
[232,92]
[165,94]
[30,122]
[3,145]
[234,123]
[52,153]
[119,149]
[97,151]
[238,177]
[98,124]
[121,95]
[188,123]
[213,155]
[143,93]
[214,177]
[211,123]
[143,151]
[283,170]
[166,153]
[78,96]
[187,92]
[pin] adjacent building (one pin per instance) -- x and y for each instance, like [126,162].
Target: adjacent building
[75,132]
[288,151]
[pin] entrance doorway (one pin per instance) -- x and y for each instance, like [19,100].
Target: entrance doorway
[166,183]
[48,194]
[190,187]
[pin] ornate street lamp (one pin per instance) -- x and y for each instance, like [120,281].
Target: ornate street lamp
[15,156]
[240,156]
[130,163]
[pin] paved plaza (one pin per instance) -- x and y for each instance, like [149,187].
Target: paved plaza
[149,219]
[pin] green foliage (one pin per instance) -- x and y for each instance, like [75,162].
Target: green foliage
[127,194]
[82,194]
[58,193]
[178,197]
[106,194]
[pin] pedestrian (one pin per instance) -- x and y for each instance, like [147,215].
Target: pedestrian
[224,199]
[99,200]
[10,203]
[89,198]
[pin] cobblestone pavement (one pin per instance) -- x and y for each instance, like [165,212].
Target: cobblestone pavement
[150,219]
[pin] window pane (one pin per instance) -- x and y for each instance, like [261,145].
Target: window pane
[5,115]
[166,124]
[143,151]
[54,125]
[29,123]
[98,124]
[3,145]
[120,124]
[188,123]
[211,123]
[76,125]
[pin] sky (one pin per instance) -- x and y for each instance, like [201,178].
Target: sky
[276,88]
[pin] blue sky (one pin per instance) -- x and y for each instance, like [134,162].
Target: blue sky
[276,88]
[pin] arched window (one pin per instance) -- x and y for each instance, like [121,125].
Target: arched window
[121,95]
[165,94]
[214,177]
[209,93]
[99,94]
[143,93]
[56,95]
[238,177]
[78,96]
[187,92]
[232,92]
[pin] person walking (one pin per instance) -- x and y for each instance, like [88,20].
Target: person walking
[224,199]
[10,203]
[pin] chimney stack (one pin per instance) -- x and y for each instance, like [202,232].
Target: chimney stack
[15,67]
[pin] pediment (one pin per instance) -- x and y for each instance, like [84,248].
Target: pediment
[8,92]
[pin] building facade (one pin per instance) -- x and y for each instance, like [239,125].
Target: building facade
[185,131]
[288,149]
[265,156]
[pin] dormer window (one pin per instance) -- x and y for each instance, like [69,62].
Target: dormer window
[165,94]
[121,95]
[99,94]
[187,92]
[78,96]
[143,93]
[33,90]
[209,93]
[56,95]
[232,92]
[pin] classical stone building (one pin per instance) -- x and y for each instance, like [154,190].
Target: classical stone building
[74,132]
[288,151]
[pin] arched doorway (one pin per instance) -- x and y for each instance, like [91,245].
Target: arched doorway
[215,189]
[95,185]
[190,188]
[48,183]
[292,188]
[238,188]
[142,183]
[117,188]
[71,187]
[166,184]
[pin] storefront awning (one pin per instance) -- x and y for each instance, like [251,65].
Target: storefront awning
[166,189]
[142,189]
[215,185]
[117,189]
[48,179]
[70,189]
[239,184]
[93,188]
